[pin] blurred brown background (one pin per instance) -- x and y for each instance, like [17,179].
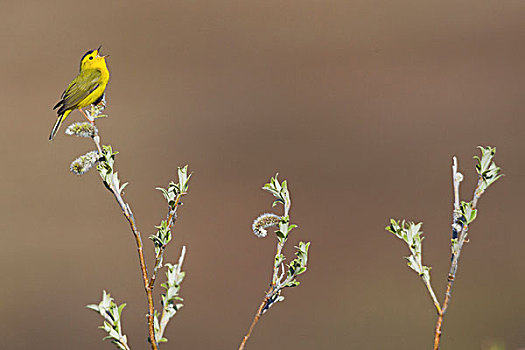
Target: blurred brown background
[359,104]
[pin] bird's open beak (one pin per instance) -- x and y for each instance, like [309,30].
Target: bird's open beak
[98,53]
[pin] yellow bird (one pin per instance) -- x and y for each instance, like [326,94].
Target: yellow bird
[86,89]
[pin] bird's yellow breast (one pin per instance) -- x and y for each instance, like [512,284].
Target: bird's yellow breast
[99,91]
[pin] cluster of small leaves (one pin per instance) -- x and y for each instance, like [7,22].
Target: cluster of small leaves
[467,214]
[82,129]
[175,190]
[299,265]
[171,301]
[486,168]
[279,191]
[162,237]
[488,173]
[111,312]
[282,195]
[84,163]
[105,168]
[172,194]
[410,233]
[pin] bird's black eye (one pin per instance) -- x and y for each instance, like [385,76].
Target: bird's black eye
[90,57]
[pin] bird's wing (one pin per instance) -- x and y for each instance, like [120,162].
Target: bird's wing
[84,84]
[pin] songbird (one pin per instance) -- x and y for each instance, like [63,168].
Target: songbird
[86,89]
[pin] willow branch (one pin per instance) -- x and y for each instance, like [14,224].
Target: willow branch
[171,218]
[126,210]
[275,287]
[256,319]
[459,232]
[164,319]
[433,296]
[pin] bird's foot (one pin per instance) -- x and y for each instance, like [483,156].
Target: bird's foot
[88,117]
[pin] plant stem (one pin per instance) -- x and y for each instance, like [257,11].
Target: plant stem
[164,319]
[269,295]
[126,210]
[273,290]
[149,291]
[455,257]
[456,181]
[258,315]
[441,315]
[172,214]
[433,296]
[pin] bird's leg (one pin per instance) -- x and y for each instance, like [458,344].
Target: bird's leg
[102,102]
[88,119]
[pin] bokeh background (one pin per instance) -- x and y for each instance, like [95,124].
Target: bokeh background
[359,104]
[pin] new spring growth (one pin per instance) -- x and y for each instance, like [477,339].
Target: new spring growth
[464,213]
[487,170]
[298,265]
[411,234]
[83,129]
[282,195]
[173,193]
[82,164]
[175,190]
[111,312]
[284,275]
[105,169]
[170,300]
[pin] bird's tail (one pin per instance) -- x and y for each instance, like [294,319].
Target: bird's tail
[59,121]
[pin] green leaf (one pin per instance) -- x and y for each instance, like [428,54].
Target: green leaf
[292,284]
[120,308]
[280,234]
[301,270]
[93,307]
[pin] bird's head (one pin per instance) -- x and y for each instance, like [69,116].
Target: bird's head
[93,59]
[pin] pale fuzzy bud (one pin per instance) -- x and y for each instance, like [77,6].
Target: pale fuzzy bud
[84,129]
[459,177]
[264,221]
[82,164]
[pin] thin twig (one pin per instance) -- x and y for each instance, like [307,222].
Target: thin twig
[171,217]
[164,319]
[96,139]
[258,315]
[461,237]
[426,280]
[456,180]
[274,287]
[433,296]
[268,297]
[280,245]
[126,210]
[276,265]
